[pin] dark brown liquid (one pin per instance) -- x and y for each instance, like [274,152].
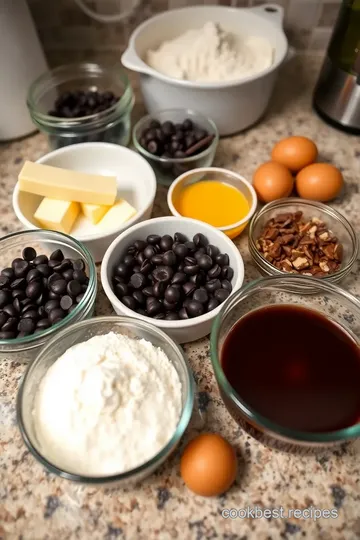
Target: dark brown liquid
[295,367]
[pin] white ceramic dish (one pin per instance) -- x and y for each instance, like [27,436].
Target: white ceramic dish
[136,184]
[233,105]
[185,330]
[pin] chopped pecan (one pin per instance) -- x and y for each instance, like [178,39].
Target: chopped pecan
[300,263]
[298,246]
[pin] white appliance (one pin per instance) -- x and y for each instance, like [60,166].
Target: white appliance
[21,61]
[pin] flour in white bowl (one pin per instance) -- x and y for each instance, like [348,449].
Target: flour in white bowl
[107,405]
[211,54]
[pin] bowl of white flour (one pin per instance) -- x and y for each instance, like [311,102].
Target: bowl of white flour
[106,401]
[217,60]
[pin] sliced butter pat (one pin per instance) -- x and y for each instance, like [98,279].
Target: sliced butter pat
[57,215]
[119,213]
[94,212]
[65,185]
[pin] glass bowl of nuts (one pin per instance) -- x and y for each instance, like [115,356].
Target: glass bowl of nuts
[299,236]
[175,141]
[47,283]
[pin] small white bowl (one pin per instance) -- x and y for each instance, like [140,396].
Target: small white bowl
[182,331]
[136,184]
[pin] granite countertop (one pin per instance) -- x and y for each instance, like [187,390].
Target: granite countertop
[36,505]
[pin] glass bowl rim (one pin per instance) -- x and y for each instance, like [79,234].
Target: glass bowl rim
[34,339]
[281,205]
[190,112]
[343,434]
[183,421]
[219,170]
[120,106]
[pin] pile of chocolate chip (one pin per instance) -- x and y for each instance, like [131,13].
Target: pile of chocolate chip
[36,292]
[79,103]
[169,140]
[172,278]
[300,246]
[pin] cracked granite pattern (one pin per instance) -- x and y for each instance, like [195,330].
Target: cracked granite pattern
[35,505]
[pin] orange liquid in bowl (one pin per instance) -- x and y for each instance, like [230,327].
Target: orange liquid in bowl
[216,203]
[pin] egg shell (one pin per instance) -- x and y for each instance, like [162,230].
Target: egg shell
[208,465]
[295,152]
[319,182]
[272,181]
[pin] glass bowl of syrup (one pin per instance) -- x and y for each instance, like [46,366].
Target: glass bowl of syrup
[288,365]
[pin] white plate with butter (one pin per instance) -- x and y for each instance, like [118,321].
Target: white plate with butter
[97,214]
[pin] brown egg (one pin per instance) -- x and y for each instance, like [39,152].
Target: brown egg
[295,152]
[272,181]
[208,465]
[319,182]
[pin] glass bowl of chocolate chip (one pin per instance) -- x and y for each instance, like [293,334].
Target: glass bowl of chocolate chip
[47,283]
[83,102]
[175,141]
[298,236]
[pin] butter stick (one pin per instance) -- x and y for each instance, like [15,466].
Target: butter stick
[57,215]
[121,212]
[94,212]
[62,184]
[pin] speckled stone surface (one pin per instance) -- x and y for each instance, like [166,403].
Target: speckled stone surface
[36,505]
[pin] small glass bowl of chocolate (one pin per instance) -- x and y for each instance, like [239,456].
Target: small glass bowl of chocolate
[176,141]
[298,236]
[82,102]
[47,282]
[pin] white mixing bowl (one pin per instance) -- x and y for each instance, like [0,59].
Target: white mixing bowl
[136,184]
[232,105]
[181,331]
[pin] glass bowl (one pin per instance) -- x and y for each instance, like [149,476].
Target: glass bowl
[45,242]
[81,332]
[220,175]
[330,301]
[112,125]
[335,221]
[167,169]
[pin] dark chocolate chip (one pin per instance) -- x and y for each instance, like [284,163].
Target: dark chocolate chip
[148,291]
[171,316]
[163,273]
[57,255]
[121,289]
[201,295]
[149,252]
[3,318]
[29,253]
[56,315]
[4,282]
[190,246]
[54,277]
[139,297]
[33,274]
[21,268]
[194,308]
[205,262]
[146,266]
[19,283]
[221,295]
[169,306]
[28,307]
[138,280]
[157,259]
[166,242]
[215,271]
[200,240]
[191,270]
[169,258]
[40,259]
[69,274]
[140,245]
[180,237]
[153,306]
[7,272]
[222,259]
[212,304]
[17,305]
[79,297]
[227,273]
[33,290]
[5,298]
[179,277]
[43,324]
[183,314]
[10,324]
[153,239]
[66,302]
[159,289]
[41,312]
[31,314]
[7,334]
[159,316]
[44,269]
[225,284]
[129,302]
[26,325]
[78,264]
[212,251]
[19,294]
[58,286]
[172,295]
[189,288]
[51,305]
[213,285]
[73,287]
